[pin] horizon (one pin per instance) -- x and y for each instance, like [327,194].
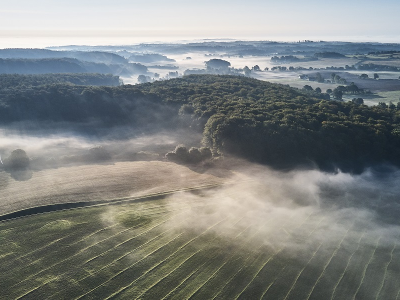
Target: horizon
[49,42]
[46,23]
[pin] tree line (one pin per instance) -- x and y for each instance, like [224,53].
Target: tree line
[264,122]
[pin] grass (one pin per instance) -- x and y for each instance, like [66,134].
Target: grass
[147,251]
[96,182]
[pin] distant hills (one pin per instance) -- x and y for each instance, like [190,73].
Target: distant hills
[42,61]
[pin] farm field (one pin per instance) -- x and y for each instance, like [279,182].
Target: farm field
[374,99]
[208,245]
[96,182]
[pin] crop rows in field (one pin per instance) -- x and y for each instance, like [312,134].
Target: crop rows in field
[148,251]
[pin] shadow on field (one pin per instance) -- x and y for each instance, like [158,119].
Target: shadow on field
[4,180]
[21,175]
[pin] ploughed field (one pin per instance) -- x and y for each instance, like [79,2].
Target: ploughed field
[87,183]
[187,246]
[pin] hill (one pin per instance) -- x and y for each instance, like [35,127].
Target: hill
[19,81]
[264,122]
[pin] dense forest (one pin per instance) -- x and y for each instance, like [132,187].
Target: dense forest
[264,122]
[17,81]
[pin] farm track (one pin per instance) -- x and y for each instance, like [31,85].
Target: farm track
[90,253]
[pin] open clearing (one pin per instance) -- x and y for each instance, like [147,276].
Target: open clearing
[96,182]
[195,246]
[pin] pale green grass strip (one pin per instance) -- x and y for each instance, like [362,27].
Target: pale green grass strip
[386,269]
[347,265]
[127,268]
[181,247]
[329,261]
[301,272]
[365,268]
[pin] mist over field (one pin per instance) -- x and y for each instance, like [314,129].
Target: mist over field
[229,172]
[276,204]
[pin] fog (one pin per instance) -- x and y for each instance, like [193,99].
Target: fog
[54,150]
[297,210]
[295,214]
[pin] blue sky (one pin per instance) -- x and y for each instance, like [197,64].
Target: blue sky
[178,19]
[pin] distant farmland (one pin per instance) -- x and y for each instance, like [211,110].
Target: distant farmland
[189,247]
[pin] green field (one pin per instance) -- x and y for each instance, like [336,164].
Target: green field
[186,246]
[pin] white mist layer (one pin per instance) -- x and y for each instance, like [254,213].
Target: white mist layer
[294,210]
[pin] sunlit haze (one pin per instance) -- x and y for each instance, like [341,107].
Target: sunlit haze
[44,23]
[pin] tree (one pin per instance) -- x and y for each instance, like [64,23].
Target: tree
[266,69]
[318,90]
[194,155]
[319,78]
[142,79]
[358,101]
[218,64]
[376,76]
[337,94]
[205,153]
[246,71]
[308,88]
[353,89]
[329,91]
[364,76]
[382,105]
[256,68]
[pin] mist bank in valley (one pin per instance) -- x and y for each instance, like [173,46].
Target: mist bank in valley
[254,48]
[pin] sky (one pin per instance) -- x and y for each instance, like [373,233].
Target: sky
[131,21]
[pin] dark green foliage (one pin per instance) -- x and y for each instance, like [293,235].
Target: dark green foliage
[284,127]
[337,94]
[193,156]
[217,64]
[101,106]
[205,153]
[18,81]
[328,55]
[257,120]
[307,88]
[358,101]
